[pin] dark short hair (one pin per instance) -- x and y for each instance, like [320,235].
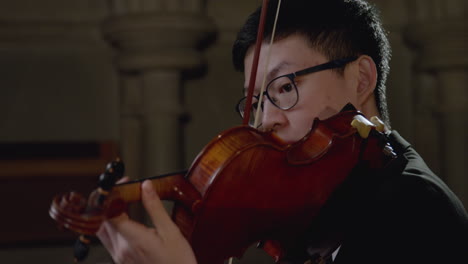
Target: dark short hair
[336,28]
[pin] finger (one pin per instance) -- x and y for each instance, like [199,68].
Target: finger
[124,179]
[121,217]
[154,207]
[130,230]
[104,235]
[107,234]
[121,236]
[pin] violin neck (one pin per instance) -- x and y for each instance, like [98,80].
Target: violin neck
[173,187]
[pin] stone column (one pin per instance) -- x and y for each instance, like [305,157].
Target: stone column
[56,81]
[211,100]
[438,32]
[155,41]
[394,16]
[131,141]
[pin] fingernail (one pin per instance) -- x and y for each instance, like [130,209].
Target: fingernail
[148,187]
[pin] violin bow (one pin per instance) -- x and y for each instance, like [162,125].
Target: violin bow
[253,74]
[267,62]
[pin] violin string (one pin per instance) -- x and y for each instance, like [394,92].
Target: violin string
[260,97]
[253,74]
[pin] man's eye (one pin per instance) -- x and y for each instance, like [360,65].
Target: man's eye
[286,88]
[255,105]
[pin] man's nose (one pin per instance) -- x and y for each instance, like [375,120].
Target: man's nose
[273,118]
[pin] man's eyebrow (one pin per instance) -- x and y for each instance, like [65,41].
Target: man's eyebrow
[273,73]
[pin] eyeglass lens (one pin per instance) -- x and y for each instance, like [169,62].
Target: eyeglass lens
[282,92]
[253,110]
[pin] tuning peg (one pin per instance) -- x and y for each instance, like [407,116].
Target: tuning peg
[116,167]
[114,171]
[81,248]
[260,244]
[107,181]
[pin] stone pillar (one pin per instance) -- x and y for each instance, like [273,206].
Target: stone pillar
[155,41]
[211,100]
[161,126]
[426,124]
[56,81]
[394,16]
[131,141]
[438,32]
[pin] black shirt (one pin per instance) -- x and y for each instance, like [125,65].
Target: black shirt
[401,214]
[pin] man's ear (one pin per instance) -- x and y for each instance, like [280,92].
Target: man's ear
[367,78]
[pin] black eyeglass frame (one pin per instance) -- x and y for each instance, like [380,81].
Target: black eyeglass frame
[321,67]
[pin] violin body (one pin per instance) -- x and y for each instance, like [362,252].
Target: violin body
[245,187]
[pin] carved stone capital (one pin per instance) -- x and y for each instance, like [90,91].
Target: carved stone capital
[438,31]
[158,40]
[441,44]
[394,13]
[51,35]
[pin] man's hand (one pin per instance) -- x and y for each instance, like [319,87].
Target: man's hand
[130,242]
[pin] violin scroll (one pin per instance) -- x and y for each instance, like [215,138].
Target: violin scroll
[72,211]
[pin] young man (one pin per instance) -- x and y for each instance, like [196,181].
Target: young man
[403,214]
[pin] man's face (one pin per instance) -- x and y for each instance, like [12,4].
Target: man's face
[321,94]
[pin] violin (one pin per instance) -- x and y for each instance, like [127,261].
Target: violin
[244,187]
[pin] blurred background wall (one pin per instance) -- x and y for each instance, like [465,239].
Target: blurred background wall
[83,81]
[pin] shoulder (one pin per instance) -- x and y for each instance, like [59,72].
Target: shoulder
[414,184]
[414,209]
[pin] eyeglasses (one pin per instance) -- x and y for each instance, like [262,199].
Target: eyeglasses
[282,90]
